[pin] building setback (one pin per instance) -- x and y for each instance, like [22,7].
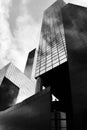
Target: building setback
[13,75]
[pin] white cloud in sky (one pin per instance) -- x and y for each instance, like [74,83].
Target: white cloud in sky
[5,35]
[78,2]
[20,22]
[15,47]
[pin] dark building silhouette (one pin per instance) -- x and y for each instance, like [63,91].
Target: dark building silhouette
[8,94]
[31,114]
[61,63]
[12,77]
[30,64]
[75,27]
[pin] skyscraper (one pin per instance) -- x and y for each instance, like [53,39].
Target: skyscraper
[65,71]
[75,27]
[52,66]
[52,47]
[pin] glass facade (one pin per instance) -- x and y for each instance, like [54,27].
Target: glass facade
[52,47]
[58,121]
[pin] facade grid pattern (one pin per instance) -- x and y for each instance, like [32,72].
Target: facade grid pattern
[52,47]
[58,121]
[56,55]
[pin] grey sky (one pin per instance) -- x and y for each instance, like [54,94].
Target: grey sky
[20,24]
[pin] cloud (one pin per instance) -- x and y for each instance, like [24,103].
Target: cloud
[20,23]
[15,45]
[78,2]
[5,35]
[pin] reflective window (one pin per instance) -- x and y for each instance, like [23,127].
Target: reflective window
[56,64]
[48,68]
[42,67]
[55,58]
[62,57]
[62,53]
[41,72]
[63,60]
[49,64]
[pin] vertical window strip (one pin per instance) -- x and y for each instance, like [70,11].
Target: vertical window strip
[64,44]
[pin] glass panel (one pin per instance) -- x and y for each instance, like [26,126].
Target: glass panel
[55,58]
[49,64]
[56,64]
[63,128]
[60,48]
[42,65]
[62,57]
[49,68]
[54,51]
[42,71]
[61,51]
[42,68]
[61,54]
[55,55]
[48,57]
[37,69]
[63,115]
[63,123]
[63,60]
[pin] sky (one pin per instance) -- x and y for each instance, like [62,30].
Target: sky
[20,25]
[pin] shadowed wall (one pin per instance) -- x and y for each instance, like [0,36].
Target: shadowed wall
[8,94]
[75,27]
[32,114]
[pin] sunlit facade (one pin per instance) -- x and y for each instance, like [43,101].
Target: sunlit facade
[29,68]
[25,85]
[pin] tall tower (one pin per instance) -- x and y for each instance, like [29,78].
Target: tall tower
[52,48]
[52,66]
[30,64]
[65,71]
[75,27]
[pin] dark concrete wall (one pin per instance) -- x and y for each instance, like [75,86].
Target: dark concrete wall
[75,27]
[8,94]
[32,114]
